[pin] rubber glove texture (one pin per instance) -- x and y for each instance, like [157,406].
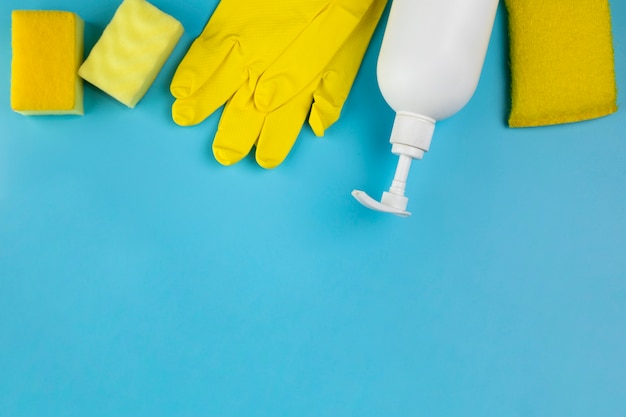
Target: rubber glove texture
[261,56]
[274,130]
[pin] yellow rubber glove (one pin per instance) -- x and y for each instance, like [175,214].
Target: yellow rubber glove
[282,46]
[249,118]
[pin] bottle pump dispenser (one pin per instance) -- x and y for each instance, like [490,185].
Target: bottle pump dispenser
[429,65]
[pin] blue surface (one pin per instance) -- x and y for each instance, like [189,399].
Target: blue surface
[138,277]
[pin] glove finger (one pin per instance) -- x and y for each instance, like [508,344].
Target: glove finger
[337,79]
[212,94]
[305,58]
[281,129]
[201,60]
[238,129]
[327,102]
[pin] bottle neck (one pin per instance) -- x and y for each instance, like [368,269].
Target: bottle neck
[411,134]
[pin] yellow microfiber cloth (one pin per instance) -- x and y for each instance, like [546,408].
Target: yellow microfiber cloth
[562,67]
[47,50]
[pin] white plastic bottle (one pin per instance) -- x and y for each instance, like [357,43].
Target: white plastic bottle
[429,65]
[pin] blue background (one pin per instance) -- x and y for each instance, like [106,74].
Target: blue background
[138,277]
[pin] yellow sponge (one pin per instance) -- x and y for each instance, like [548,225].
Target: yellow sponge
[562,67]
[47,50]
[131,51]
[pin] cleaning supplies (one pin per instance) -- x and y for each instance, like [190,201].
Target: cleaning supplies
[47,50]
[131,51]
[274,130]
[428,69]
[562,67]
[266,58]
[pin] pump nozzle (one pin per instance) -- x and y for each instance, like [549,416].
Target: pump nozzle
[410,138]
[393,201]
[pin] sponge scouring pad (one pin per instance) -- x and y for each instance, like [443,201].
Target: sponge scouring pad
[562,67]
[126,59]
[47,50]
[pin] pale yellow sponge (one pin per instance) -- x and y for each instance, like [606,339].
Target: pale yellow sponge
[131,51]
[47,50]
